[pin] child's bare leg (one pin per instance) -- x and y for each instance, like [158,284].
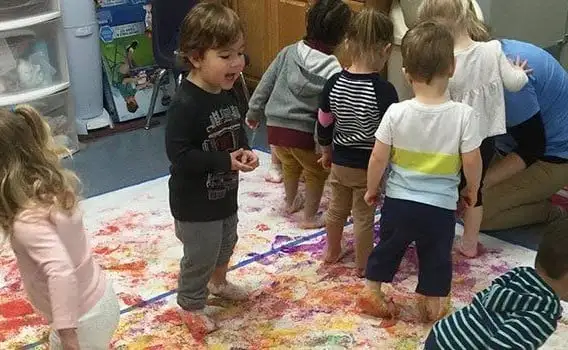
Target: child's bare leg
[432,309]
[274,159]
[372,301]
[472,222]
[219,276]
[473,216]
[274,174]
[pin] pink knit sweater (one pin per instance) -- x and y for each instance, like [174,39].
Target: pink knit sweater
[61,278]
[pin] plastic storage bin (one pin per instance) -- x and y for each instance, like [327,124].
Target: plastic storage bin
[12,11]
[59,113]
[33,64]
[33,58]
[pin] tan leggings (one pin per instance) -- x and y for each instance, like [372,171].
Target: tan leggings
[296,161]
[524,198]
[348,187]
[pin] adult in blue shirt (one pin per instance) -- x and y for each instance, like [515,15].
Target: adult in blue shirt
[518,187]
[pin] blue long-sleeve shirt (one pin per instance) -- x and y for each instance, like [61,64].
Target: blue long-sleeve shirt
[518,311]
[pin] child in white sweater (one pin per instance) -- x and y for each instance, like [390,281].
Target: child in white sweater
[482,71]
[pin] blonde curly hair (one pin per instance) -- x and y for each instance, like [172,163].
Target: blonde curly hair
[31,173]
[457,15]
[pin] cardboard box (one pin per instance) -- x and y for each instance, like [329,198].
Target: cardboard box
[128,60]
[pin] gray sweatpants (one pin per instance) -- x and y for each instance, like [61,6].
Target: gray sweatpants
[206,245]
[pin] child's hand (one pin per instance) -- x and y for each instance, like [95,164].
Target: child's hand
[249,158]
[371,198]
[468,197]
[252,124]
[325,160]
[522,65]
[236,164]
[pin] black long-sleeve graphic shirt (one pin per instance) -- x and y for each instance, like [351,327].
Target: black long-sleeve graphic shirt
[202,130]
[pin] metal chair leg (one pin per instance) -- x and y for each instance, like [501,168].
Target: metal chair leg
[161,74]
[179,80]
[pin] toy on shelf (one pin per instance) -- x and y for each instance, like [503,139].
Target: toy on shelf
[25,62]
[128,61]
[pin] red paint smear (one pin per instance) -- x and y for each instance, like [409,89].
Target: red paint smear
[9,326]
[388,323]
[262,227]
[560,200]
[196,326]
[132,266]
[170,316]
[108,230]
[104,250]
[131,299]
[278,308]
[16,308]
[13,277]
[15,287]
[371,305]
[127,221]
[163,227]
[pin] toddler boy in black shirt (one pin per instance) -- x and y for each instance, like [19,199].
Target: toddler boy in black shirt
[207,147]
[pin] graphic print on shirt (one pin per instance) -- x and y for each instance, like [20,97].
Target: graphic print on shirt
[223,136]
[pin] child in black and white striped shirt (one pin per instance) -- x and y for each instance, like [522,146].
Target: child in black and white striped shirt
[520,310]
[353,104]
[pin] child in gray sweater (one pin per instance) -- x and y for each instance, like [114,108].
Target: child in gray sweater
[288,97]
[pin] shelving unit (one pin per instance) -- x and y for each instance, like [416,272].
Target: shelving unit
[33,64]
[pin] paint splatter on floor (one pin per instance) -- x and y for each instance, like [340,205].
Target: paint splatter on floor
[296,301]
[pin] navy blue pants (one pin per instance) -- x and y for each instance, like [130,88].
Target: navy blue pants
[433,230]
[431,342]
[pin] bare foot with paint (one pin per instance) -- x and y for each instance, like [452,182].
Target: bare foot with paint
[296,206]
[199,322]
[432,309]
[333,254]
[274,174]
[468,248]
[312,223]
[229,291]
[376,304]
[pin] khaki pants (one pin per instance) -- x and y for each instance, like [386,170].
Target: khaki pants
[524,198]
[348,187]
[296,161]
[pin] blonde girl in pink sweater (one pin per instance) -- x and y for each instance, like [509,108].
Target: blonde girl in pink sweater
[39,213]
